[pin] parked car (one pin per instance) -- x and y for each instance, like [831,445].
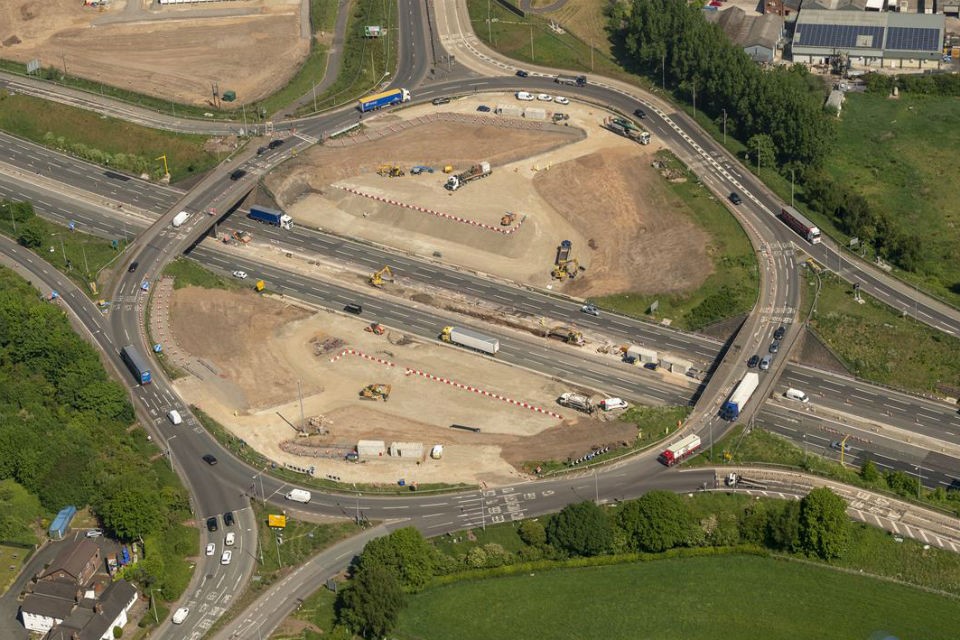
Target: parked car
[609,404]
[544,97]
[226,557]
[779,333]
[522,73]
[240,274]
[230,539]
[94,533]
[525,96]
[212,524]
[590,309]
[735,198]
[228,519]
[765,363]
[210,459]
[753,361]
[774,346]
[275,143]
[561,100]
[236,175]
[211,548]
[483,109]
[441,100]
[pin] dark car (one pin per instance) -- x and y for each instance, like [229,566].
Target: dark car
[779,333]
[840,446]
[212,523]
[441,100]
[483,109]
[133,267]
[353,308]
[522,73]
[640,113]
[753,361]
[774,346]
[209,459]
[228,519]
[261,151]
[275,143]
[735,198]
[236,175]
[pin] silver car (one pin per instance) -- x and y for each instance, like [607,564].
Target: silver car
[765,362]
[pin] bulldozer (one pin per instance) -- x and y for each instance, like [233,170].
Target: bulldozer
[377,391]
[508,219]
[375,328]
[378,277]
[568,335]
[390,171]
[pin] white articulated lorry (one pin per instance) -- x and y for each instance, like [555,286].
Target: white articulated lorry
[471,340]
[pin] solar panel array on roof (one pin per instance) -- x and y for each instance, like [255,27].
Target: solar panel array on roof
[846,36]
[913,39]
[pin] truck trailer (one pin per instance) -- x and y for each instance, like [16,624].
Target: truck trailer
[477,171]
[796,221]
[267,215]
[573,81]
[179,219]
[733,407]
[471,340]
[383,99]
[136,364]
[680,451]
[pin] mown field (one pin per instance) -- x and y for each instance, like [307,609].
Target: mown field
[727,597]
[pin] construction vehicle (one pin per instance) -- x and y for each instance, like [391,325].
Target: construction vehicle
[477,171]
[508,219]
[568,335]
[566,269]
[448,168]
[417,170]
[375,328]
[377,391]
[627,129]
[242,236]
[377,277]
[390,171]
[563,251]
[576,401]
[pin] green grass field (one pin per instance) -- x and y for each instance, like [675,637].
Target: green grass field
[899,155]
[727,597]
[187,273]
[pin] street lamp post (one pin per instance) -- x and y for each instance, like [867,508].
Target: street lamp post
[153,601]
[596,487]
[919,479]
[791,187]
[724,127]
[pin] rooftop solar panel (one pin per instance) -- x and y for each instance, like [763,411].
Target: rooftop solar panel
[839,35]
[913,39]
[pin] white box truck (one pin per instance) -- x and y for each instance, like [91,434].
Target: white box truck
[179,219]
[299,495]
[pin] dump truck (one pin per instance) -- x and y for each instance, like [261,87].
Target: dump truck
[267,215]
[627,129]
[680,451]
[383,99]
[563,252]
[576,401]
[733,407]
[377,391]
[477,171]
[470,339]
[573,81]
[180,218]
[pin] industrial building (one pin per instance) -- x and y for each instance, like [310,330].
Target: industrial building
[758,35]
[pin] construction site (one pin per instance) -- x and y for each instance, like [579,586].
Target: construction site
[567,204]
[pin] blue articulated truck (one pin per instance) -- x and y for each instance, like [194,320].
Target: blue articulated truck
[271,216]
[137,365]
[383,99]
[733,407]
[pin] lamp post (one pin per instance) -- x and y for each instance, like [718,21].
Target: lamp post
[596,487]
[791,187]
[724,127]
[153,601]
[919,479]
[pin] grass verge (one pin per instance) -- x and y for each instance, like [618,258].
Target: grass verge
[730,290]
[103,140]
[187,273]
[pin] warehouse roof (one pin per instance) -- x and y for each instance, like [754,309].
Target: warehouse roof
[818,30]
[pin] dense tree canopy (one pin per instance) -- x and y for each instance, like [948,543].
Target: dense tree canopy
[657,521]
[371,605]
[405,553]
[581,529]
[824,525]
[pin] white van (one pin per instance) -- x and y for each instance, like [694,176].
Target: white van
[174,416]
[796,394]
[525,95]
[299,495]
[437,452]
[180,615]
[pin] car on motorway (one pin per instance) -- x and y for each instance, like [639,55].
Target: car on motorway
[765,363]
[442,100]
[779,333]
[753,361]
[212,524]
[522,73]
[240,274]
[353,308]
[209,459]
[230,539]
[735,198]
[590,309]
[211,548]
[275,143]
[94,533]
[228,519]
[236,175]
[261,151]
[775,346]
[561,100]
[483,109]
[226,557]
[133,267]
[840,446]
[640,113]
[544,97]
[180,615]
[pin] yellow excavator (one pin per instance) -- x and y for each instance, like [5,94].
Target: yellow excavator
[378,277]
[390,171]
[566,269]
[378,391]
[570,336]
[508,219]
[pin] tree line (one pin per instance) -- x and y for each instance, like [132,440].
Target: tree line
[391,567]
[65,437]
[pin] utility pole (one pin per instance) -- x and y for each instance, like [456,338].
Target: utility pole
[791,187]
[532,57]
[63,58]
[489,24]
[663,71]
[694,99]
[303,420]
[725,128]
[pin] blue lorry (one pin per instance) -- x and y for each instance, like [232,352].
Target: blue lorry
[137,365]
[271,216]
[734,405]
[383,99]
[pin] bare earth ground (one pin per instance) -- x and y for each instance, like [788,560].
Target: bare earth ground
[263,347]
[600,192]
[252,47]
